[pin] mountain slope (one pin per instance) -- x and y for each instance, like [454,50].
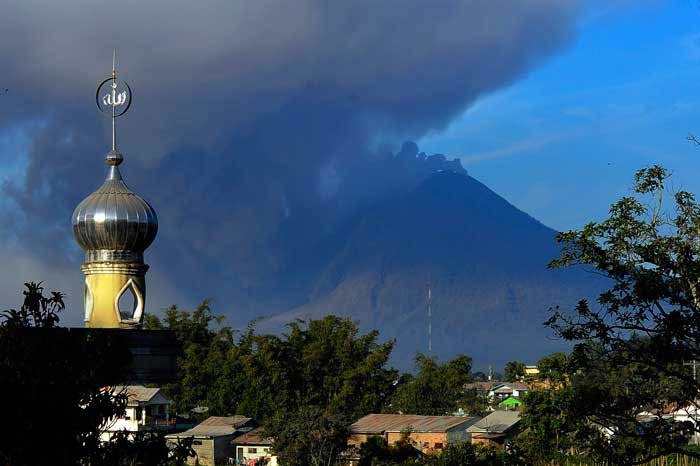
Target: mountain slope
[486,262]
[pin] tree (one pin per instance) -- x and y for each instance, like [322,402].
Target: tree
[141,449]
[436,389]
[464,453]
[514,371]
[553,368]
[309,436]
[37,310]
[474,403]
[635,339]
[550,424]
[377,452]
[332,377]
[204,359]
[319,377]
[64,376]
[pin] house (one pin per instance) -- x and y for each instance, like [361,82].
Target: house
[425,433]
[481,388]
[254,445]
[211,438]
[672,413]
[531,372]
[497,429]
[510,403]
[147,409]
[504,390]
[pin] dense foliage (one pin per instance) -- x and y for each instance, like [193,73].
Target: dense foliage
[513,371]
[376,452]
[436,389]
[554,368]
[306,386]
[635,341]
[550,424]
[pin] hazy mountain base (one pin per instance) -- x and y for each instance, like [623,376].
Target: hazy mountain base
[486,262]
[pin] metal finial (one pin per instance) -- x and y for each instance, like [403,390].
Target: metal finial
[119,96]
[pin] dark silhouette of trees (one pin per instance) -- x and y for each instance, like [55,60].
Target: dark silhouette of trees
[58,385]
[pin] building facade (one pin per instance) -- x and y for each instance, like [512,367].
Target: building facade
[426,433]
[211,439]
[253,446]
[497,430]
[147,409]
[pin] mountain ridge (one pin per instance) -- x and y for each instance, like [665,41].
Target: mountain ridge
[486,262]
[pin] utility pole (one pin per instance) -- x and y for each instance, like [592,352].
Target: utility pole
[693,363]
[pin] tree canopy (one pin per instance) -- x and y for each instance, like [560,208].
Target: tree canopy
[306,385]
[436,389]
[513,371]
[636,340]
[553,367]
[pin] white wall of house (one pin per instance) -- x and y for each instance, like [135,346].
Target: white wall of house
[517,392]
[128,422]
[255,452]
[135,419]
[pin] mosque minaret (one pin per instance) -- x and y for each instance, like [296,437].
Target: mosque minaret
[114,226]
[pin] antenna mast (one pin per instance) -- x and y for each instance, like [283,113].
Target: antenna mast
[118,95]
[114,86]
[430,319]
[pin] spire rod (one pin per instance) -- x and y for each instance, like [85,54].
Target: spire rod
[118,95]
[114,86]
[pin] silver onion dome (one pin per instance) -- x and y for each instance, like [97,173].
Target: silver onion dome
[114,223]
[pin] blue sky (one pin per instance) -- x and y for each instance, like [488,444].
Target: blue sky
[564,142]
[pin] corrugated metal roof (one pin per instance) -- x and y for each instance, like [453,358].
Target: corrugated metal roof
[479,385]
[380,423]
[514,385]
[519,385]
[254,437]
[496,422]
[139,394]
[215,426]
[232,421]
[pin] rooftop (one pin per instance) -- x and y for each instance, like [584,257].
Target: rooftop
[496,422]
[380,423]
[510,401]
[479,385]
[138,394]
[514,385]
[216,426]
[254,437]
